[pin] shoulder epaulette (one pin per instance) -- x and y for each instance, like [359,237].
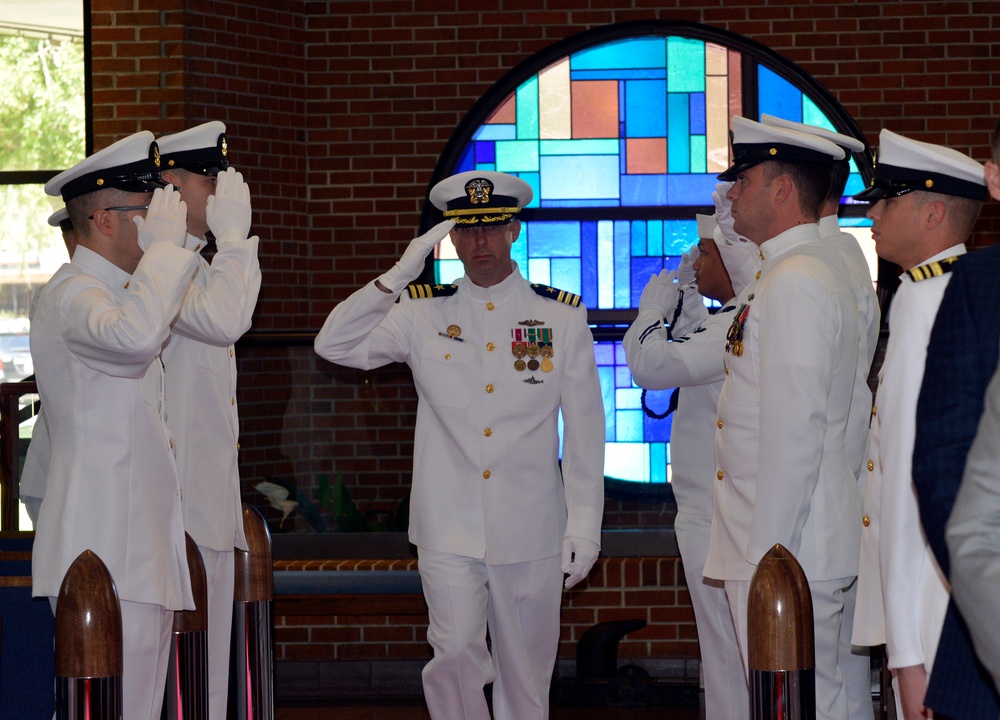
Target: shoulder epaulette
[932,269]
[426,290]
[556,294]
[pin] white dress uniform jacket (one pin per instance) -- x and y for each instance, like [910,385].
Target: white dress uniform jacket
[96,333]
[782,468]
[200,369]
[902,595]
[486,478]
[868,328]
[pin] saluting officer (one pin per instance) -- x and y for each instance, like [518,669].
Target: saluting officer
[926,200]
[200,370]
[494,359]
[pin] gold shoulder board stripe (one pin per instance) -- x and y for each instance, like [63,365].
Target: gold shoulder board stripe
[556,294]
[933,269]
[426,290]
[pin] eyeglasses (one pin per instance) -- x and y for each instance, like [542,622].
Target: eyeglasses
[122,208]
[490,231]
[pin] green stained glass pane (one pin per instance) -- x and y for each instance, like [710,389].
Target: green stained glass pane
[517,156]
[579,147]
[629,426]
[527,110]
[812,115]
[654,238]
[685,65]
[678,139]
[699,154]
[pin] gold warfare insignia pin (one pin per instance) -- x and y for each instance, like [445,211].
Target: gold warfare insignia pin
[531,323]
[225,146]
[454,331]
[479,191]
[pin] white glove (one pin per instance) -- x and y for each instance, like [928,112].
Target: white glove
[228,210]
[165,221]
[660,294]
[724,213]
[578,556]
[685,271]
[408,267]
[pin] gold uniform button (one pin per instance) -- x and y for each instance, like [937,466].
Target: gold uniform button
[490,306]
[490,347]
[489,388]
[486,474]
[237,446]
[171,444]
[720,475]
[230,352]
[874,410]
[719,423]
[871,465]
[488,432]
[727,371]
[865,520]
[757,276]
[233,401]
[447,356]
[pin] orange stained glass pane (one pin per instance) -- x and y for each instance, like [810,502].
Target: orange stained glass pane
[595,108]
[506,113]
[646,156]
[735,83]
[554,110]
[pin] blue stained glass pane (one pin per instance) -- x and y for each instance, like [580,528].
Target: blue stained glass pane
[539,271]
[618,74]
[697,113]
[466,161]
[645,108]
[623,292]
[565,275]
[485,152]
[678,144]
[679,236]
[654,429]
[486,166]
[690,189]
[606,375]
[812,115]
[854,222]
[519,251]
[654,238]
[447,271]
[657,462]
[620,358]
[638,238]
[527,109]
[517,156]
[626,395]
[588,177]
[629,426]
[642,269]
[588,272]
[686,65]
[642,52]
[699,154]
[604,352]
[579,203]
[504,131]
[644,190]
[855,184]
[533,179]
[776,96]
[591,146]
[554,239]
[605,265]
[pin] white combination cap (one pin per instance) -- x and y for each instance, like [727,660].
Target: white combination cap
[131,164]
[706,226]
[754,143]
[904,165]
[203,149]
[848,143]
[481,197]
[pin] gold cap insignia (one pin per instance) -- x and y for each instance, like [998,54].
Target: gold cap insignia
[156,156]
[225,146]
[479,191]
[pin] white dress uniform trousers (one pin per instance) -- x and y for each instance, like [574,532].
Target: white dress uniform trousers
[784,474]
[694,363]
[487,485]
[112,486]
[200,380]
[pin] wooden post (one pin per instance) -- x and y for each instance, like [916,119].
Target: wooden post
[252,688]
[781,655]
[88,639]
[186,695]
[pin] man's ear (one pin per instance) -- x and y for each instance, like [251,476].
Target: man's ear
[104,222]
[515,231]
[171,177]
[934,213]
[993,179]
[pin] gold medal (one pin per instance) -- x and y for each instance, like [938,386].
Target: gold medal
[519,365]
[534,350]
[532,364]
[547,365]
[454,331]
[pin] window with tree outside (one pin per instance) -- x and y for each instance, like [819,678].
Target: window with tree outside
[621,132]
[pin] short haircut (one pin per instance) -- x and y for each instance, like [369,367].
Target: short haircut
[839,177]
[812,180]
[962,212]
[81,208]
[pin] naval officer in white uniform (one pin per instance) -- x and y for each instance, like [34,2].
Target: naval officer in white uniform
[690,359]
[97,328]
[496,520]
[199,365]
[926,200]
[782,468]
